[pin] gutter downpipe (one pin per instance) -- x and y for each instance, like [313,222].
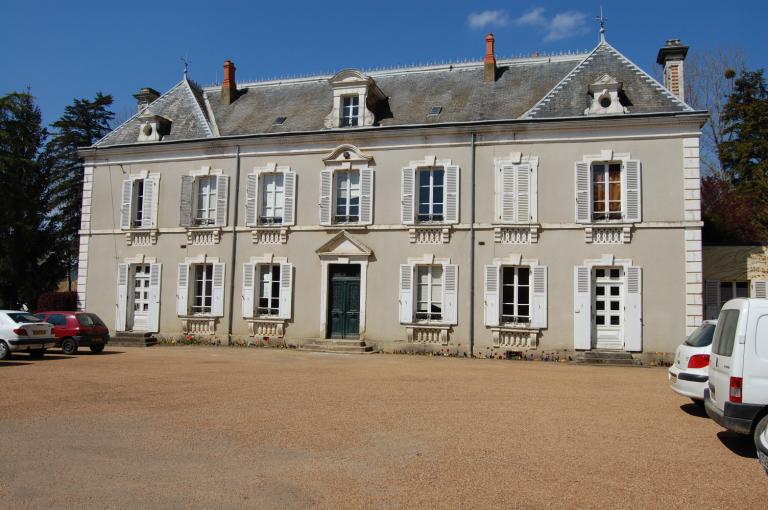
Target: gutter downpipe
[234,247]
[472,252]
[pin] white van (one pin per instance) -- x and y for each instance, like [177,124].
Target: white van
[737,396]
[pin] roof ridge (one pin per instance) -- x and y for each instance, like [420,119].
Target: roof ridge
[201,116]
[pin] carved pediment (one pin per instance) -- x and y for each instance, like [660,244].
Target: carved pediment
[343,244]
[349,77]
[347,153]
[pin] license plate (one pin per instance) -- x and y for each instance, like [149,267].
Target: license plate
[38,331]
[673,378]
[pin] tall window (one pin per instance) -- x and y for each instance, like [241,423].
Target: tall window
[350,111]
[269,289]
[606,191]
[733,290]
[202,289]
[272,198]
[515,294]
[429,293]
[138,203]
[205,209]
[431,195]
[347,197]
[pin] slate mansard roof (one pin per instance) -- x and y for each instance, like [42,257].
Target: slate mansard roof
[532,88]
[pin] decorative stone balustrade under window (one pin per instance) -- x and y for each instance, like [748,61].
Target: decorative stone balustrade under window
[612,234]
[266,327]
[430,235]
[203,236]
[269,236]
[424,334]
[516,235]
[141,237]
[515,339]
[198,325]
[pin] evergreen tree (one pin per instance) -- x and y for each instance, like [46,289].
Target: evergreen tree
[84,122]
[29,262]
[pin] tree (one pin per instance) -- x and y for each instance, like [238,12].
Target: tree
[728,215]
[84,122]
[29,261]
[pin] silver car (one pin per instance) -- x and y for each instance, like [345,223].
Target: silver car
[23,332]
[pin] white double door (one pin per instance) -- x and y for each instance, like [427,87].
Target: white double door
[139,298]
[608,308]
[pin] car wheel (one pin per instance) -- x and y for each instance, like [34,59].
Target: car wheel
[96,349]
[37,353]
[759,429]
[5,351]
[69,346]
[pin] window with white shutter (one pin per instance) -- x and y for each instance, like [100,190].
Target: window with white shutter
[286,291]
[515,194]
[760,289]
[608,191]
[406,293]
[125,208]
[633,310]
[222,196]
[182,289]
[248,290]
[407,198]
[491,299]
[153,312]
[582,307]
[711,299]
[122,297]
[326,192]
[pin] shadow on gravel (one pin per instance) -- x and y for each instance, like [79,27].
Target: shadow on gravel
[12,364]
[694,410]
[87,352]
[743,446]
[53,357]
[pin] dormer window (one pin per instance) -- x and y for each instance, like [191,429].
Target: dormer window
[153,128]
[606,97]
[350,111]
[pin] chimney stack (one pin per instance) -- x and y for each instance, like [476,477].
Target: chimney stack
[671,57]
[145,96]
[229,87]
[489,72]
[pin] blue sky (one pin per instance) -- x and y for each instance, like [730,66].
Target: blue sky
[75,48]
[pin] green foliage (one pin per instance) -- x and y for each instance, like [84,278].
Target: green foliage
[29,261]
[84,122]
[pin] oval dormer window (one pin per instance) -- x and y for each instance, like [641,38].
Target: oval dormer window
[147,129]
[605,100]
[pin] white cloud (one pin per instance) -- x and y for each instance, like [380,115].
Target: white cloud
[566,24]
[488,18]
[561,26]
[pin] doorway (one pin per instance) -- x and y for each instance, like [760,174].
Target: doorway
[608,308]
[139,298]
[344,301]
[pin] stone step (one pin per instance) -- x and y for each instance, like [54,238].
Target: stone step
[132,339]
[336,346]
[609,362]
[330,341]
[598,355]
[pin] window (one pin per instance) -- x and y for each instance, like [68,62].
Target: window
[606,191]
[733,290]
[272,199]
[205,205]
[431,199]
[269,289]
[350,111]
[725,333]
[138,203]
[429,293]
[202,289]
[702,337]
[515,294]
[347,197]
[608,298]
[56,320]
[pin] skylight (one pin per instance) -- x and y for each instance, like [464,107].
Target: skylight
[279,120]
[436,110]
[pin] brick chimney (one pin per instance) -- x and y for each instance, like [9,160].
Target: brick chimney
[489,64]
[145,96]
[671,57]
[229,87]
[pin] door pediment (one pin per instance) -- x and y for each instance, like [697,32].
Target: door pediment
[343,244]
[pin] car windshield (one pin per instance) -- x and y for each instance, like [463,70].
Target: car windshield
[22,317]
[702,337]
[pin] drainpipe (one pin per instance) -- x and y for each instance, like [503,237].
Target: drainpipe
[472,251]
[234,247]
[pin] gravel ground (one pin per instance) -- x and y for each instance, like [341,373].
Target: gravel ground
[193,427]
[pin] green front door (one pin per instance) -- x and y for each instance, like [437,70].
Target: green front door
[344,299]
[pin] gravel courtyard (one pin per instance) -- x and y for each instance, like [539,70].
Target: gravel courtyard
[194,427]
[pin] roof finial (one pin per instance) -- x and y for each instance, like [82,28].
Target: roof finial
[186,61]
[601,19]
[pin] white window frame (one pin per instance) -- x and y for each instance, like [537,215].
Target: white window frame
[269,199]
[514,161]
[431,201]
[606,165]
[194,309]
[137,217]
[137,204]
[733,290]
[270,310]
[609,156]
[430,298]
[350,110]
[347,158]
[516,299]
[209,217]
[349,188]
[408,302]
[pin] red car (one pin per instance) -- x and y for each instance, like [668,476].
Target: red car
[77,329]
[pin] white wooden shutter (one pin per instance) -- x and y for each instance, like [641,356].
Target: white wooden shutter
[217,305]
[149,210]
[122,297]
[712,299]
[326,192]
[633,310]
[182,290]
[523,194]
[248,289]
[539,297]
[222,195]
[289,198]
[582,307]
[366,196]
[125,208]
[533,194]
[632,191]
[185,200]
[507,194]
[407,198]
[450,293]
[286,290]
[491,298]
[759,289]
[583,193]
[452,194]
[153,314]
[251,199]
[406,293]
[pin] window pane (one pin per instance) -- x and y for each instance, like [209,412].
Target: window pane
[600,273]
[523,274]
[615,291]
[600,305]
[614,320]
[742,289]
[437,177]
[508,275]
[615,273]
[600,291]
[522,311]
[600,320]
[615,305]
[508,309]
